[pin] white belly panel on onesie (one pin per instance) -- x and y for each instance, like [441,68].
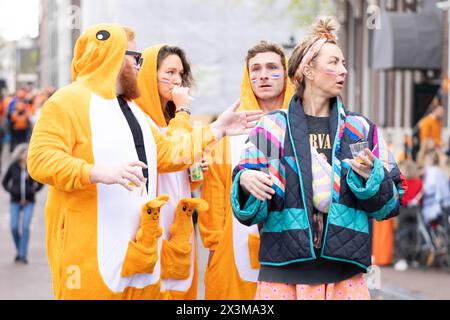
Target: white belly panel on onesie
[177,186]
[240,231]
[119,210]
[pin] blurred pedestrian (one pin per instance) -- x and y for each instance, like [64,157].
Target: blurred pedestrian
[435,186]
[22,188]
[20,124]
[431,125]
[428,146]
[414,193]
[38,103]
[2,128]
[406,223]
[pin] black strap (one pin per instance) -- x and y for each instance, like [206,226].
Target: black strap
[136,130]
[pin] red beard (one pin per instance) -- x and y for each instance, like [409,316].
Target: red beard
[128,81]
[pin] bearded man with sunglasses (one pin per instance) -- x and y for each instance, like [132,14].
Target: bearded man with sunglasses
[100,157]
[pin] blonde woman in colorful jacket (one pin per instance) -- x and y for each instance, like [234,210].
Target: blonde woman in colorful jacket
[233,267]
[299,182]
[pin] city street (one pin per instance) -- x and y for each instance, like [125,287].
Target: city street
[79,78]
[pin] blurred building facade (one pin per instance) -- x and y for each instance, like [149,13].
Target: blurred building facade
[445,6]
[8,63]
[59,28]
[215,35]
[397,92]
[18,63]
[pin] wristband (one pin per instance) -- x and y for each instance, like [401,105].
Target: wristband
[184,109]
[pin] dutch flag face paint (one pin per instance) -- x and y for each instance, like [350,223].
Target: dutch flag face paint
[254,79]
[166,81]
[330,72]
[275,76]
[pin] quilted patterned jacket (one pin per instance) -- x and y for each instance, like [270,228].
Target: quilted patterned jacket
[279,146]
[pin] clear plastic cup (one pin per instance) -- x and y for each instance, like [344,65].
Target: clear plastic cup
[196,172]
[138,191]
[358,150]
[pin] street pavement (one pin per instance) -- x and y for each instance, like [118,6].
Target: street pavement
[33,281]
[415,284]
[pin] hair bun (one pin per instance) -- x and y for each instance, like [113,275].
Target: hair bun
[325,27]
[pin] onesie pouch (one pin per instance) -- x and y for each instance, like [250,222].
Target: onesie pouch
[253,250]
[139,260]
[175,260]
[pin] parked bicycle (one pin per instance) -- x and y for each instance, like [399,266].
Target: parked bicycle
[423,244]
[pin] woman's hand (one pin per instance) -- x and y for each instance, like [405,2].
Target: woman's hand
[128,175]
[234,123]
[180,97]
[364,169]
[258,184]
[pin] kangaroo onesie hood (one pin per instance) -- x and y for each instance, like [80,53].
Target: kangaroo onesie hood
[92,244]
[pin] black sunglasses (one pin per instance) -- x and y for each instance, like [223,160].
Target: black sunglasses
[137,56]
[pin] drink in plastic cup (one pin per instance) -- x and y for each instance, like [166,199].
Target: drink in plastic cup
[358,150]
[138,191]
[196,172]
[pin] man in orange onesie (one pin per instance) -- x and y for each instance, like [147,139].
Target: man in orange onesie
[233,265]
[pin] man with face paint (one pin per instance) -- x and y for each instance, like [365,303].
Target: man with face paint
[233,266]
[100,156]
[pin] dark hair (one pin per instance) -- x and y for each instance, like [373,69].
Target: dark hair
[265,46]
[186,78]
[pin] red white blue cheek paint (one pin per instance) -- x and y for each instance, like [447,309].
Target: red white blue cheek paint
[275,76]
[166,81]
[330,72]
[253,79]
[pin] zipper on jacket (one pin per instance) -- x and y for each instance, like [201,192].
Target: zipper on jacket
[333,162]
[291,137]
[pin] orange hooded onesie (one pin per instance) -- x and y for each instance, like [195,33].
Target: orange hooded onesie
[179,271]
[233,271]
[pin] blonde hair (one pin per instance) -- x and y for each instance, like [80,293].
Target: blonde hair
[432,158]
[323,27]
[19,150]
[426,147]
[409,169]
[131,35]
